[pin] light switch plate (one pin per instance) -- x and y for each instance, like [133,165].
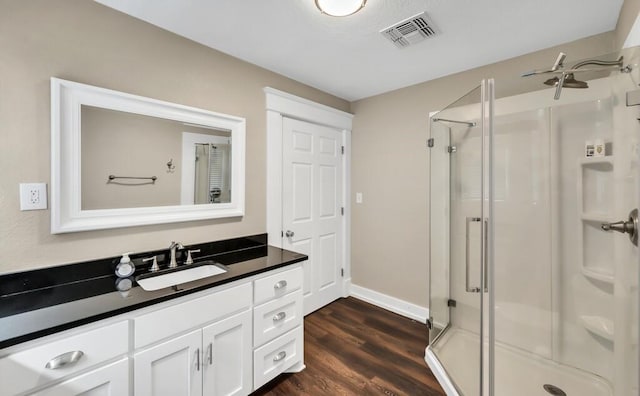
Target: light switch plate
[33,196]
[358,197]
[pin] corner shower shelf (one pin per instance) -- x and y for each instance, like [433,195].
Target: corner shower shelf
[595,182]
[599,326]
[594,161]
[598,274]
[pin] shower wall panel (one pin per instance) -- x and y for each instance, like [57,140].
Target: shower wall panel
[582,245]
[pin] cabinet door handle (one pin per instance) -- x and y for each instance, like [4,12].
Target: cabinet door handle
[279,285]
[198,359]
[279,316]
[63,360]
[210,348]
[280,356]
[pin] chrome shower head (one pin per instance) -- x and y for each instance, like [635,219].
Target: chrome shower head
[566,78]
[569,82]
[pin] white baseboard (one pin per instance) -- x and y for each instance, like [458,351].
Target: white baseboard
[401,307]
[346,287]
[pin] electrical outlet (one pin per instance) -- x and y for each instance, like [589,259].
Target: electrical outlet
[33,196]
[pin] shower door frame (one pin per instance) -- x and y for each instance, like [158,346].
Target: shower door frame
[486,251]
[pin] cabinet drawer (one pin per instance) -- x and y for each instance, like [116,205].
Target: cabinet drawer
[277,285]
[276,317]
[109,380]
[277,356]
[26,369]
[167,322]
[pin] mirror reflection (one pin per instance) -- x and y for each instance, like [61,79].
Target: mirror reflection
[132,161]
[211,173]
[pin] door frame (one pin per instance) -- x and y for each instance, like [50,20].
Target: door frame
[281,104]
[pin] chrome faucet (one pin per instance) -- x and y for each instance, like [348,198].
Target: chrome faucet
[172,248]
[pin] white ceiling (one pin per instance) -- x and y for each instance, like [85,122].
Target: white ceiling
[348,57]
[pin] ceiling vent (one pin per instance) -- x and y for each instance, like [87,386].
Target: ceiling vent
[410,31]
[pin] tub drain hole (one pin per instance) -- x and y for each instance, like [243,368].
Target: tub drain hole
[554,390]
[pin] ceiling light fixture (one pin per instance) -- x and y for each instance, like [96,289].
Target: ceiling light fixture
[340,8]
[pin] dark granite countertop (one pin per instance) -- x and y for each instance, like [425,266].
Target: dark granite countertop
[45,301]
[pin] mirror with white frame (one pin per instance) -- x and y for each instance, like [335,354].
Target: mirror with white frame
[122,160]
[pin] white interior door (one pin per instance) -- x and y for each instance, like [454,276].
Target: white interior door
[312,216]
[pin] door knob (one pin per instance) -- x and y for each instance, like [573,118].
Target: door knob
[629,226]
[289,234]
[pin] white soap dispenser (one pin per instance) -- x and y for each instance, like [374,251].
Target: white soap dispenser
[125,268]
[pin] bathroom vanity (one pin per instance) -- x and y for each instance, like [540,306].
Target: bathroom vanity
[78,328]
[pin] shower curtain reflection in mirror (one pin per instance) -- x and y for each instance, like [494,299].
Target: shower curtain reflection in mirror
[212,162]
[206,170]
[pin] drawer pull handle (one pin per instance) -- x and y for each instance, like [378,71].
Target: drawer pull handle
[198,359]
[279,316]
[279,285]
[280,356]
[63,360]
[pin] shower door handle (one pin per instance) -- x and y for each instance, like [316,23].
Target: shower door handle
[469,220]
[468,288]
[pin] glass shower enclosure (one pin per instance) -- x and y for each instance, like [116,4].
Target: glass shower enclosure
[532,290]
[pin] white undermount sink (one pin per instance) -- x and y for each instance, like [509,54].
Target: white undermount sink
[178,277]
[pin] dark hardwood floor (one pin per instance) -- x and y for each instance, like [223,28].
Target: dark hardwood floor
[355,348]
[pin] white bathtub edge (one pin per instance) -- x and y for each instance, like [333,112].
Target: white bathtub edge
[439,372]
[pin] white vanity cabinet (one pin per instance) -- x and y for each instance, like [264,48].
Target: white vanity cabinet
[212,359]
[215,360]
[227,340]
[244,336]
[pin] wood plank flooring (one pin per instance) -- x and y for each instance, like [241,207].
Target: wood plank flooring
[355,348]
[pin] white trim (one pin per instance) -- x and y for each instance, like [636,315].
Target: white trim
[67,98]
[346,284]
[305,109]
[439,372]
[274,178]
[346,191]
[281,104]
[401,307]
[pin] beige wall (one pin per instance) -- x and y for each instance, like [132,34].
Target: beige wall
[82,41]
[391,168]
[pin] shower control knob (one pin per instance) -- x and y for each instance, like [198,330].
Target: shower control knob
[629,226]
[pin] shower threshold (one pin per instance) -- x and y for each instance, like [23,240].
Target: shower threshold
[517,372]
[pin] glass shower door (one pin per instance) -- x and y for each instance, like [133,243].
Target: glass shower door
[458,229]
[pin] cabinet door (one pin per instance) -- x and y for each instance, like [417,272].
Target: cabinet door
[173,368]
[227,355]
[110,380]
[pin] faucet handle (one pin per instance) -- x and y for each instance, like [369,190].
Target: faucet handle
[189,258]
[154,265]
